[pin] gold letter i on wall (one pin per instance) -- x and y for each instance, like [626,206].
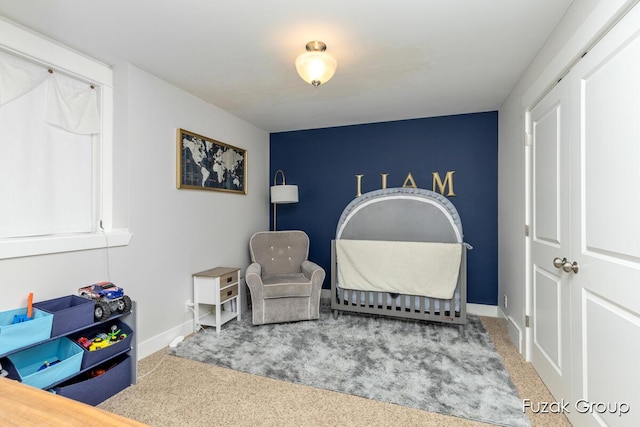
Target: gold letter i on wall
[359,185]
[384,180]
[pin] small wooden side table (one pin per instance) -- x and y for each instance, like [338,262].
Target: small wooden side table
[216,297]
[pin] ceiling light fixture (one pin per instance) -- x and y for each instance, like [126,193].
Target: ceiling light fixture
[316,66]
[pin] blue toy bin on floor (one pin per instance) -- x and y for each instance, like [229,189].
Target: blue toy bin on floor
[17,335]
[28,365]
[70,312]
[91,358]
[93,391]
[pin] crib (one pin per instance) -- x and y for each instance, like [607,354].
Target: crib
[387,255]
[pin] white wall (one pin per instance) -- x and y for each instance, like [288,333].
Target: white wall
[584,21]
[175,232]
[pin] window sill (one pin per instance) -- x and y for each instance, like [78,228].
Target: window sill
[42,245]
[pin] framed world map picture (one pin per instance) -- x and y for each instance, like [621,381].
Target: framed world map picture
[207,164]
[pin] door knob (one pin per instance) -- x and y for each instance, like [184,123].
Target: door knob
[559,263]
[569,267]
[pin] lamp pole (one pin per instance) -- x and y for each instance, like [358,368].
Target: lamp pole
[282,194]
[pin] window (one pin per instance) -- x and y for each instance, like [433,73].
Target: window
[49,130]
[55,148]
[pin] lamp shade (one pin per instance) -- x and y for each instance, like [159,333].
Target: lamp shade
[316,66]
[281,194]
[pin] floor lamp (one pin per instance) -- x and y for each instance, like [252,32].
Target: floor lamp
[281,194]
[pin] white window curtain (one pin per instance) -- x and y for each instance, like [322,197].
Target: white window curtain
[48,127]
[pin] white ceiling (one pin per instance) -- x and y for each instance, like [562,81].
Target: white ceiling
[397,59]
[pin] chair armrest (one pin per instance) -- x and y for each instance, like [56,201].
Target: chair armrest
[253,278]
[253,273]
[316,274]
[313,272]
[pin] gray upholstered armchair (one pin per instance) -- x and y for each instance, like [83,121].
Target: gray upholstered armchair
[284,284]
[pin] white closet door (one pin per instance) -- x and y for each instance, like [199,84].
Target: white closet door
[550,239]
[605,187]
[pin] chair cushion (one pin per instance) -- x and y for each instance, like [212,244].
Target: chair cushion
[286,285]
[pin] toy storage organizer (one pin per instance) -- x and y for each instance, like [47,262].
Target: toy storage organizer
[44,353]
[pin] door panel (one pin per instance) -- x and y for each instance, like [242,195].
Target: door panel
[547,301]
[611,345]
[546,177]
[605,242]
[550,346]
[611,147]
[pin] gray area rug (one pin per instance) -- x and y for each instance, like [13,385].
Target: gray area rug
[416,364]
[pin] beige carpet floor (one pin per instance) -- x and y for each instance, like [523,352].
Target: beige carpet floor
[172,391]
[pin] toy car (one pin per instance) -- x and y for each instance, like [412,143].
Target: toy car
[99,343]
[108,297]
[84,341]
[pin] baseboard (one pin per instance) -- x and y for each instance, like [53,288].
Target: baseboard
[482,310]
[514,331]
[160,341]
[325,297]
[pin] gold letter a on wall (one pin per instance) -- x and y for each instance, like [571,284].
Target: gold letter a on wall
[409,179]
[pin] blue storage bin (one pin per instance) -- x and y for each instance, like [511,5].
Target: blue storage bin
[91,358]
[93,391]
[70,313]
[26,365]
[13,336]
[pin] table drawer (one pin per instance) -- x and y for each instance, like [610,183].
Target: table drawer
[228,292]
[228,279]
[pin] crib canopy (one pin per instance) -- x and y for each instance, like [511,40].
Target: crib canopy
[401,214]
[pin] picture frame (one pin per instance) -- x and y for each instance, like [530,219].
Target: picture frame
[206,164]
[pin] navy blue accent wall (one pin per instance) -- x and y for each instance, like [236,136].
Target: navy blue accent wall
[324,164]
